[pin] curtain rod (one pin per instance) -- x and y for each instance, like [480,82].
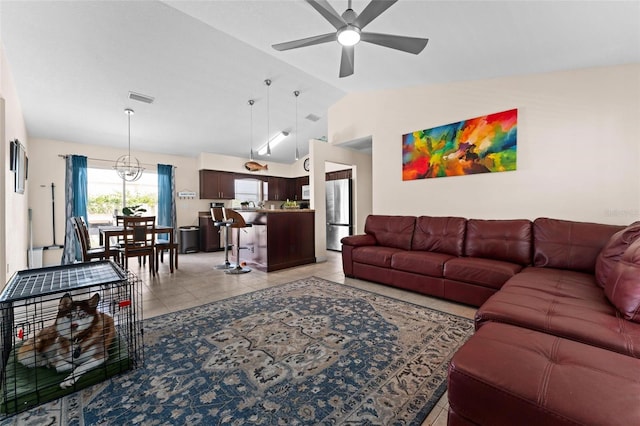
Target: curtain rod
[110,161]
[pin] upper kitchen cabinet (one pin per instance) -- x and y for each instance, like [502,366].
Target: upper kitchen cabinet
[299,183]
[216,185]
[279,188]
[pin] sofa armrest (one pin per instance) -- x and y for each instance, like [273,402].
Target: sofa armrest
[359,240]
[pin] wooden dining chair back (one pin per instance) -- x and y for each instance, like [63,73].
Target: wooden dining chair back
[82,233]
[139,239]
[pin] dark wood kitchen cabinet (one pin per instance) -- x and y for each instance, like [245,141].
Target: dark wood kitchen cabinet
[279,188]
[209,234]
[277,239]
[299,183]
[216,185]
[339,174]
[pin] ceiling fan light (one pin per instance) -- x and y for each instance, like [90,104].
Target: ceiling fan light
[349,36]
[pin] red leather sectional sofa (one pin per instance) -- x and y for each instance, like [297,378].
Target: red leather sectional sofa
[557,337]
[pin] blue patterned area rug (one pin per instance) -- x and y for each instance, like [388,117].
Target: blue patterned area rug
[307,352]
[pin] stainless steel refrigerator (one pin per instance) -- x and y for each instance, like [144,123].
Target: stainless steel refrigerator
[339,217]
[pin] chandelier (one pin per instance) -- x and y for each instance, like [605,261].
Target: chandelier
[128,167]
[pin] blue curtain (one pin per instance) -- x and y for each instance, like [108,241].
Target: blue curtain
[75,201]
[166,196]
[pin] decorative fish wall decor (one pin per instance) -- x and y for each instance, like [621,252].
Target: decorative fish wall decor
[252,166]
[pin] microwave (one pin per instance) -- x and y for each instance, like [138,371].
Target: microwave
[306,192]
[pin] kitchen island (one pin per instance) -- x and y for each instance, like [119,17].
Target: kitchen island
[277,239]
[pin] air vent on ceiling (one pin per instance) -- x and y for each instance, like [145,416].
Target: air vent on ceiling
[312,117]
[141,98]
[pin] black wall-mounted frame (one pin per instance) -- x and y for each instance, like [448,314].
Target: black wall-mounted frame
[18,163]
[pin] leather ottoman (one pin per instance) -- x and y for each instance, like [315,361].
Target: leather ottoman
[506,375]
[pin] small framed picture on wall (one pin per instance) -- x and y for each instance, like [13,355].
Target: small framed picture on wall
[18,164]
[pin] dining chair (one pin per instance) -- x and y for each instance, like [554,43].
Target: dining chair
[89,253]
[163,243]
[139,240]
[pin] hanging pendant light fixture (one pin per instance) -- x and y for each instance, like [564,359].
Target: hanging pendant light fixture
[268,83]
[251,102]
[296,94]
[127,167]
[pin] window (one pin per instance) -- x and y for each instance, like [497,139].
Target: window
[250,190]
[105,190]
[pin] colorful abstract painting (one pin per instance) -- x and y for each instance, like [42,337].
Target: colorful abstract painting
[478,145]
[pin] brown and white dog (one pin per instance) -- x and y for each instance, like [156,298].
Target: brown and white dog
[77,341]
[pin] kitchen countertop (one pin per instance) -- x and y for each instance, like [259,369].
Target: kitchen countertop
[275,210]
[208,214]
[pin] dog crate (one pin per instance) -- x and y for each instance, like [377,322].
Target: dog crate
[56,320]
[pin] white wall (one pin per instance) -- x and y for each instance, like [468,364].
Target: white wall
[578,149]
[13,206]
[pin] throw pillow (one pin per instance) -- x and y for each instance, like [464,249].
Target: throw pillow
[623,285]
[613,250]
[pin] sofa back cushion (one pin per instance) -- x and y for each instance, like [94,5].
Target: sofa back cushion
[391,231]
[623,283]
[565,244]
[613,251]
[508,240]
[439,234]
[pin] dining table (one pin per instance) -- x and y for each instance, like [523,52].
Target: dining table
[114,231]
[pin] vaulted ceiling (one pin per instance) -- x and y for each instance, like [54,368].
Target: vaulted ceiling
[75,62]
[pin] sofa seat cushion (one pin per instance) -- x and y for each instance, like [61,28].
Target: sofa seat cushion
[508,375]
[374,255]
[484,272]
[567,304]
[421,262]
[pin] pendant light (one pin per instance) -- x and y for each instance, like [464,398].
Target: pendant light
[127,167]
[296,94]
[268,83]
[251,102]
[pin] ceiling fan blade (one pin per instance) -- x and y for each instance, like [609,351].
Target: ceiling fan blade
[346,63]
[329,13]
[406,44]
[372,11]
[309,41]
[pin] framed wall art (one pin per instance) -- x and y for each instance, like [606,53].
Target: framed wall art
[478,145]
[18,164]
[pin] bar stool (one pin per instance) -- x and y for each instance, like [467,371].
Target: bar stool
[237,222]
[219,219]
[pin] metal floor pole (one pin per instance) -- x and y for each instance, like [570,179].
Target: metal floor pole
[226,264]
[239,269]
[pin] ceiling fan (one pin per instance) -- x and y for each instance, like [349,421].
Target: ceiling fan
[349,32]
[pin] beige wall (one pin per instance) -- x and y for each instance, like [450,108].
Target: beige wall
[47,167]
[578,150]
[14,207]
[235,164]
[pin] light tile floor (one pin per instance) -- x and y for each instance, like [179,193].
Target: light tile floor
[198,282]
